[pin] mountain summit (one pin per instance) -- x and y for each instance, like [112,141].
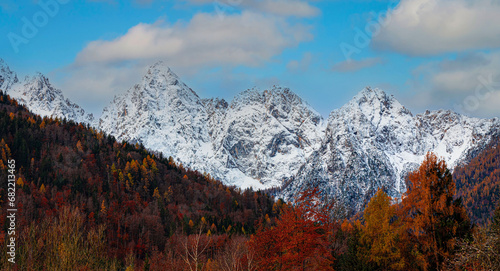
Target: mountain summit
[258,140]
[165,115]
[7,77]
[272,138]
[37,93]
[373,141]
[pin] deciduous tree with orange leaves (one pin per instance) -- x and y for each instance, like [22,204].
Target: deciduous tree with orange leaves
[433,218]
[299,240]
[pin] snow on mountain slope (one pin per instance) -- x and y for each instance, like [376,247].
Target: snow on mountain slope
[267,134]
[272,138]
[163,114]
[268,138]
[256,141]
[373,141]
[40,96]
[7,77]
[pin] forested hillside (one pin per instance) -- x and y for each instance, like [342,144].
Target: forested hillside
[131,202]
[478,183]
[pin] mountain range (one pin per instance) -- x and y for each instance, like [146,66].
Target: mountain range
[273,138]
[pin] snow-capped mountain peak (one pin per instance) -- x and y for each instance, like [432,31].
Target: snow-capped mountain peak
[267,134]
[7,77]
[160,74]
[373,142]
[42,98]
[370,94]
[258,139]
[374,103]
[272,138]
[38,94]
[164,114]
[39,87]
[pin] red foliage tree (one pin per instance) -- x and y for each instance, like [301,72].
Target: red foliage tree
[299,239]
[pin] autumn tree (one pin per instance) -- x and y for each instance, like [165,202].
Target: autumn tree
[89,202]
[194,247]
[236,256]
[434,220]
[379,234]
[299,239]
[478,183]
[483,251]
[495,221]
[63,243]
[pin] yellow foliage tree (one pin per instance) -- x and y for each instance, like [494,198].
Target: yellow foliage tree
[378,235]
[156,193]
[79,146]
[20,182]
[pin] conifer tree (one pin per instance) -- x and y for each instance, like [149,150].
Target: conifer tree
[379,234]
[434,220]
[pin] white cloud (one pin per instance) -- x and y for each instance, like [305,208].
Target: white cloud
[295,8]
[106,68]
[356,65]
[469,84]
[239,39]
[429,27]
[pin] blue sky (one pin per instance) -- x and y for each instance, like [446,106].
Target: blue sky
[429,54]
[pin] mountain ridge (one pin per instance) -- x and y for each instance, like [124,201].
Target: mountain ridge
[271,137]
[41,97]
[366,149]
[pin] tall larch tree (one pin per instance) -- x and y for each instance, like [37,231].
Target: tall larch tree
[433,218]
[379,234]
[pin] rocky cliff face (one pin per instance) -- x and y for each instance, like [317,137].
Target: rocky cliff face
[257,140]
[267,135]
[7,77]
[374,141]
[272,138]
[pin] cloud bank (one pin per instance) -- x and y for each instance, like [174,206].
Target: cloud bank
[240,39]
[470,82]
[431,27]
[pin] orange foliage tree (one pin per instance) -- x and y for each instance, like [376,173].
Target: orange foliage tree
[434,220]
[299,240]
